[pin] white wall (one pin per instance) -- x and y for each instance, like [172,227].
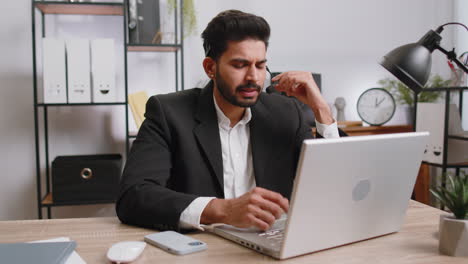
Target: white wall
[17,188]
[341,39]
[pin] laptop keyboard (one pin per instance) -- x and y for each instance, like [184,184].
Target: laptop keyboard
[275,234]
[273,237]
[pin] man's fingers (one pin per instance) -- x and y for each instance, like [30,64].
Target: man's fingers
[289,83]
[273,197]
[282,202]
[273,208]
[260,208]
[266,205]
[258,222]
[264,216]
[277,77]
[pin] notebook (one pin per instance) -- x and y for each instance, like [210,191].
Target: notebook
[74,257]
[38,253]
[137,102]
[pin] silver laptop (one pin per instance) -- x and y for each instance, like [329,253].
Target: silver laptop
[346,190]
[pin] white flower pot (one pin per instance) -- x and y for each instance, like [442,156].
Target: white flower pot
[453,236]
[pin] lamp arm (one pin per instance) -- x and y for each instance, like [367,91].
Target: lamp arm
[451,55]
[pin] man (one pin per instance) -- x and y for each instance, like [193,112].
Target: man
[226,153]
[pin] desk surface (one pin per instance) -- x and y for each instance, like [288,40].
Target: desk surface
[415,243]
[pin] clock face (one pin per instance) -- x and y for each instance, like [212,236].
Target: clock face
[376,106]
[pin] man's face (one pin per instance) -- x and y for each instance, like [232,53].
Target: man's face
[240,72]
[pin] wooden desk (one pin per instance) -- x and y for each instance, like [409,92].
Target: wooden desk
[415,243]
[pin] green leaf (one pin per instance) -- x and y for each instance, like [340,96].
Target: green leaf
[465,195]
[449,194]
[440,196]
[449,198]
[454,184]
[403,95]
[455,195]
[188,13]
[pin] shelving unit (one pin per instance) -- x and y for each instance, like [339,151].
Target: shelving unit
[445,165]
[99,9]
[81,8]
[82,104]
[154,48]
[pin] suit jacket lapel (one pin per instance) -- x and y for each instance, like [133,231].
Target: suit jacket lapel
[207,132]
[261,140]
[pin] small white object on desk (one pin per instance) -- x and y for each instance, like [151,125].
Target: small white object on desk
[125,252]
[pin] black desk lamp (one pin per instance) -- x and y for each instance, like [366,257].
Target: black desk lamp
[411,63]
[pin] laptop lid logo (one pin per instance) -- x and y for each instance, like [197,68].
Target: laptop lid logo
[361,190]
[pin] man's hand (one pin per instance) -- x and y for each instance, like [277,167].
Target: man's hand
[302,86]
[259,208]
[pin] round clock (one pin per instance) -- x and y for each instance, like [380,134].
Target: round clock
[376,106]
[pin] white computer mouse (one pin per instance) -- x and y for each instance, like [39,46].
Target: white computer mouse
[126,251]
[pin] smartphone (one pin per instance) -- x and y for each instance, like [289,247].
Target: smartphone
[175,243]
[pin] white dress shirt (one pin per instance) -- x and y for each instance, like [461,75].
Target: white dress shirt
[238,171]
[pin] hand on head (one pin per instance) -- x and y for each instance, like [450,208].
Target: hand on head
[302,86]
[298,84]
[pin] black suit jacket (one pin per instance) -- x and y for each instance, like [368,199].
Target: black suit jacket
[176,156]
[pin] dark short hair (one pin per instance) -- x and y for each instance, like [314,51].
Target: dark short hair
[233,25]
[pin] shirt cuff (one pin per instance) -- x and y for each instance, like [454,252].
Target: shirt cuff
[327,131]
[190,217]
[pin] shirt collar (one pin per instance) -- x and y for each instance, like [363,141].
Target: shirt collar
[225,123]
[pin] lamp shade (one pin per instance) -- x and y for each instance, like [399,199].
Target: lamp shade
[410,63]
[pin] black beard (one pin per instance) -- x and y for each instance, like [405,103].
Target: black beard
[223,88]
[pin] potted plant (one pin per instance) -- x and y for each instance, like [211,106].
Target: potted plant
[405,96]
[188,13]
[453,230]
[166,34]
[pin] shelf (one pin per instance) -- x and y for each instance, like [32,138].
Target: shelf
[442,89]
[82,104]
[374,130]
[47,201]
[449,165]
[77,8]
[132,134]
[154,47]
[83,8]
[459,137]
